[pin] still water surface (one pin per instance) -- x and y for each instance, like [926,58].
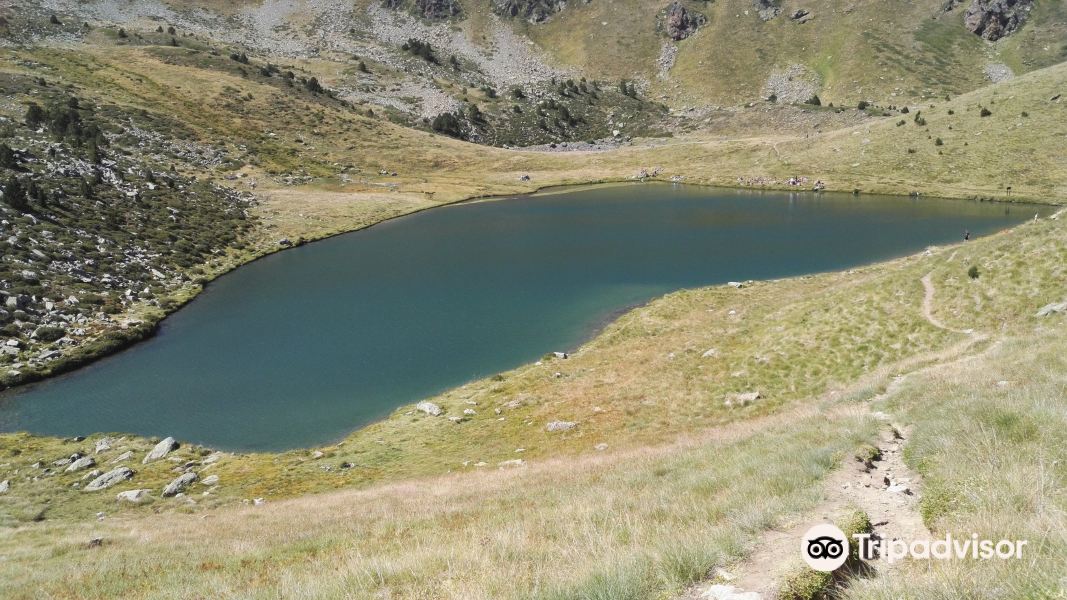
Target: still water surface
[305,345]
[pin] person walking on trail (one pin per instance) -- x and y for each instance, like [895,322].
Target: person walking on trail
[966,234]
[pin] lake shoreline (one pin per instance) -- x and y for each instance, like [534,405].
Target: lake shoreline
[592,207]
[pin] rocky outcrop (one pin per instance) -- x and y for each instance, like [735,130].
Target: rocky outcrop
[179,484]
[994,19]
[767,9]
[428,9]
[109,479]
[163,448]
[534,11]
[429,408]
[132,496]
[680,23]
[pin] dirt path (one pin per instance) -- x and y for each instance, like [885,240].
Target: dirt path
[886,489]
[928,306]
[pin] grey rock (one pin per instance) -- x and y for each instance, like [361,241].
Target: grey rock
[560,426]
[179,484]
[4,486]
[995,19]
[127,455]
[109,479]
[742,399]
[680,23]
[429,408]
[767,9]
[163,448]
[1052,309]
[210,480]
[132,496]
[82,463]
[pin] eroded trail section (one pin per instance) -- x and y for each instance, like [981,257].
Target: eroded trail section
[880,484]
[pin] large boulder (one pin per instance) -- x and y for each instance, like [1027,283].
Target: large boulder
[179,484]
[994,19]
[109,479]
[82,463]
[163,448]
[680,23]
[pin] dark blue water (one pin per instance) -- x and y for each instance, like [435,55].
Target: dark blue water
[305,345]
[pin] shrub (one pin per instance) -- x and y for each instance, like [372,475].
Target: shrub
[8,159]
[448,124]
[34,114]
[973,272]
[985,112]
[48,333]
[814,101]
[939,142]
[904,110]
[862,105]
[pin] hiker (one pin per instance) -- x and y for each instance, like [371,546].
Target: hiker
[966,235]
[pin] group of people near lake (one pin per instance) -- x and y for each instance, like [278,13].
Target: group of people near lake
[794,181]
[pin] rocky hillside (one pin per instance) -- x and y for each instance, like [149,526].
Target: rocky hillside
[681,53]
[98,224]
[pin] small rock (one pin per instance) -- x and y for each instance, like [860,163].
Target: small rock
[132,496]
[711,353]
[560,426]
[210,480]
[469,411]
[1052,309]
[600,447]
[82,463]
[560,355]
[5,485]
[736,285]
[96,542]
[429,408]
[899,488]
[127,455]
[515,462]
[163,448]
[742,399]
[258,502]
[179,484]
[109,479]
[728,592]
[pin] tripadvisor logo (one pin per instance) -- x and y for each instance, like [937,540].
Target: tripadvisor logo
[825,548]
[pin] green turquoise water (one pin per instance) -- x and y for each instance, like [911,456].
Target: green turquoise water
[303,346]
